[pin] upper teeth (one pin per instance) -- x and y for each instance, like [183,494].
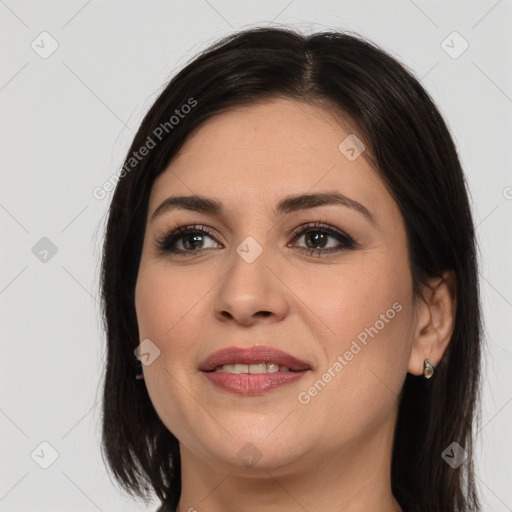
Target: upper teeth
[252,368]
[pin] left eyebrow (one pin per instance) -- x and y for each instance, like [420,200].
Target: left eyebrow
[286,205]
[308,201]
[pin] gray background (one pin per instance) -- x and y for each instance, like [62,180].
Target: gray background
[66,124]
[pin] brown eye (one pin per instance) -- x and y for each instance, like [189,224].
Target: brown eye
[191,239]
[319,239]
[317,235]
[316,239]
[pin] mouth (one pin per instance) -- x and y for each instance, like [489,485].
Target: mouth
[254,360]
[254,368]
[252,371]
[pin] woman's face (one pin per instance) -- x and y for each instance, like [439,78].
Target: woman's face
[337,297]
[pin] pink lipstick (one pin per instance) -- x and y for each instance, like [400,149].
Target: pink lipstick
[252,371]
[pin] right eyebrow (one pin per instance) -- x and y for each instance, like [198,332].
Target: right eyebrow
[196,203]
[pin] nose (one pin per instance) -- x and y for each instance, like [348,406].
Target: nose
[251,292]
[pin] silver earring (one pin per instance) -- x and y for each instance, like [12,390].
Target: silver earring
[428,369]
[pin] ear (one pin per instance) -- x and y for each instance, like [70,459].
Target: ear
[435,321]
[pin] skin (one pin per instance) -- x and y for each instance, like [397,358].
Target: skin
[333,453]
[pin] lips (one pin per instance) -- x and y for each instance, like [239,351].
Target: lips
[236,367]
[253,355]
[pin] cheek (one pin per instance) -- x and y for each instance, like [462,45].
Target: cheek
[357,301]
[150,299]
[165,301]
[366,336]
[171,311]
[165,315]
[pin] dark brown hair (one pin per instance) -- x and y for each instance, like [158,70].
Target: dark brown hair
[410,147]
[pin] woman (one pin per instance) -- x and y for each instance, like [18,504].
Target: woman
[290,262]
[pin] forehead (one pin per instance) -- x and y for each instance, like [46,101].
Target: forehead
[265,151]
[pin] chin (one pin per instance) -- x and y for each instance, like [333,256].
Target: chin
[253,451]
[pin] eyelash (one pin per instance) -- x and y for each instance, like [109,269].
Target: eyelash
[165,243]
